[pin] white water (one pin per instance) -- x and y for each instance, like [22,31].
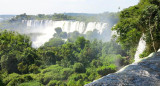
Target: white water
[47,28]
[141,47]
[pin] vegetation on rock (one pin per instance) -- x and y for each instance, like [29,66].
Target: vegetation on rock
[138,20]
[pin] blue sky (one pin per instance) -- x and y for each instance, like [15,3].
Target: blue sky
[61,6]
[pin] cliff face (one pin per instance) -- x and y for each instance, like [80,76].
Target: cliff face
[143,73]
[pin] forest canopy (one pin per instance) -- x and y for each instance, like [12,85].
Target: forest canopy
[78,61]
[57,62]
[137,20]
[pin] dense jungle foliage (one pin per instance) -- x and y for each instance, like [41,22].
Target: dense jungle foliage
[57,63]
[137,20]
[78,61]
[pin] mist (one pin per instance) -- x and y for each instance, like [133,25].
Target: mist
[40,28]
[63,49]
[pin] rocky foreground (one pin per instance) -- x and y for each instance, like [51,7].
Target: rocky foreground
[146,72]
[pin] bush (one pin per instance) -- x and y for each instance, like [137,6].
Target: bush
[80,82]
[54,42]
[66,72]
[27,77]
[52,68]
[92,76]
[33,68]
[106,70]
[144,54]
[9,63]
[96,63]
[77,77]
[52,83]
[31,83]
[75,83]
[56,83]
[10,77]
[79,68]
[1,83]
[47,79]
[22,68]
[15,79]
[71,83]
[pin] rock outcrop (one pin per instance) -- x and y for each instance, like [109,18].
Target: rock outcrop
[146,72]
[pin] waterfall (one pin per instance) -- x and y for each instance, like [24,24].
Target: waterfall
[67,26]
[141,47]
[47,28]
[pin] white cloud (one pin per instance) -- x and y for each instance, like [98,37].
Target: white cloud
[54,6]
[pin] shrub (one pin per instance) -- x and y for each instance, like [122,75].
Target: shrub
[9,63]
[52,83]
[56,83]
[47,79]
[77,77]
[80,82]
[27,77]
[79,68]
[144,54]
[106,70]
[31,83]
[66,72]
[71,83]
[1,83]
[96,63]
[10,77]
[15,79]
[33,68]
[22,68]
[92,76]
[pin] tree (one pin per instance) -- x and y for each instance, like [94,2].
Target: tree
[14,49]
[96,63]
[58,30]
[54,42]
[29,56]
[1,82]
[63,35]
[136,21]
[22,68]
[81,42]
[41,15]
[33,68]
[9,63]
[150,20]
[49,57]
[79,68]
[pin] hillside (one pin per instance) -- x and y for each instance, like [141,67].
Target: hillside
[139,21]
[143,18]
[76,52]
[143,73]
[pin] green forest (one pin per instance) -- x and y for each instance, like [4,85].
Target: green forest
[137,20]
[77,61]
[58,62]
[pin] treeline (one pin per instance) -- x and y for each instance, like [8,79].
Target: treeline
[15,23]
[56,17]
[137,20]
[62,63]
[102,17]
[105,36]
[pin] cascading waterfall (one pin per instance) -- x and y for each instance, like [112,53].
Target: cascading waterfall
[141,47]
[47,28]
